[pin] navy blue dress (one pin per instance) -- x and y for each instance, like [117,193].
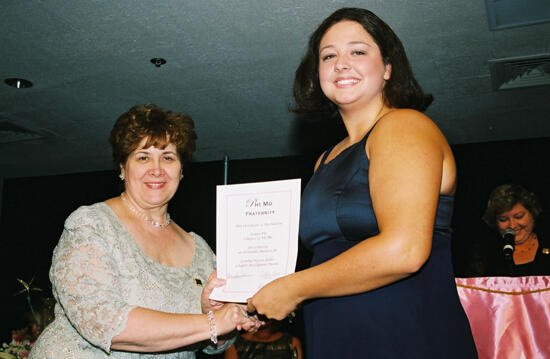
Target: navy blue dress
[417,317]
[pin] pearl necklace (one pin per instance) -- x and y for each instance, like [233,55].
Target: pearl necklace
[142,215]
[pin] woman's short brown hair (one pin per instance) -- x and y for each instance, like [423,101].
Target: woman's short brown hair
[160,127]
[506,196]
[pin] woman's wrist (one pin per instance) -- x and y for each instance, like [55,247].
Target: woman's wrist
[212,327]
[298,291]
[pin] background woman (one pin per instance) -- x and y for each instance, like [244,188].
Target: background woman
[511,206]
[126,278]
[377,211]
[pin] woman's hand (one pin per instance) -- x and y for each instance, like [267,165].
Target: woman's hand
[233,316]
[208,304]
[275,300]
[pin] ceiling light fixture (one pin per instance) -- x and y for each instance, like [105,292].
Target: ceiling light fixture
[158,61]
[18,83]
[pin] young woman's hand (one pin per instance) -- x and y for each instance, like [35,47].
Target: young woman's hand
[275,300]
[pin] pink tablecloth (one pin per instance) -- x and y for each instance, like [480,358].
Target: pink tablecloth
[510,317]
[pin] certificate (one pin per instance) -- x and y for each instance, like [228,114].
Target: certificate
[256,235]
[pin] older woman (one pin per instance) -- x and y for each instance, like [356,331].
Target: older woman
[128,281]
[511,206]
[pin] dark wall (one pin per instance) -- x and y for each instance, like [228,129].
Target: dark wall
[34,209]
[1,193]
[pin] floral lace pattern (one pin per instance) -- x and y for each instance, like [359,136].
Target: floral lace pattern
[99,274]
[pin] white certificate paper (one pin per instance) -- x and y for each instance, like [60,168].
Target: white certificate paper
[256,235]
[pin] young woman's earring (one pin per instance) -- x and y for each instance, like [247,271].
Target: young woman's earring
[121,176]
[181,176]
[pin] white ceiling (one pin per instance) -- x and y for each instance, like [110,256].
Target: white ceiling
[230,65]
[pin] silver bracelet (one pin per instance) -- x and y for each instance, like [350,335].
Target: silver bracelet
[212,329]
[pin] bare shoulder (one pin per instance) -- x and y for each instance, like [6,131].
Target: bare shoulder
[405,126]
[409,137]
[406,120]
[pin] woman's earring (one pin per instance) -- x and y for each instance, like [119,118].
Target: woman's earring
[121,176]
[181,176]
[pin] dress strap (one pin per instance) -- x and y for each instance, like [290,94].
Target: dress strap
[325,155]
[363,141]
[372,128]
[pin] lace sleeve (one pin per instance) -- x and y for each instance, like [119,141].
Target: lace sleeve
[85,281]
[212,350]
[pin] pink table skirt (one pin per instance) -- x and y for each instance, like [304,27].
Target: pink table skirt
[510,317]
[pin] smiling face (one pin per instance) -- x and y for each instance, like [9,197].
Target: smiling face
[351,69]
[152,175]
[519,219]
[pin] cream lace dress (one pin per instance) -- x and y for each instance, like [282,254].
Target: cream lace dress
[99,274]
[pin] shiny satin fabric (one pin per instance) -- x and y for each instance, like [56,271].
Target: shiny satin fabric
[418,317]
[509,316]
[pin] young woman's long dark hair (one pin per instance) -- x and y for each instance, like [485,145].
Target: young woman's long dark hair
[401,90]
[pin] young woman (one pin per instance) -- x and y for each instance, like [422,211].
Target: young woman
[377,211]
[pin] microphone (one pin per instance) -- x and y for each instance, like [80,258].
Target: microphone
[509,236]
